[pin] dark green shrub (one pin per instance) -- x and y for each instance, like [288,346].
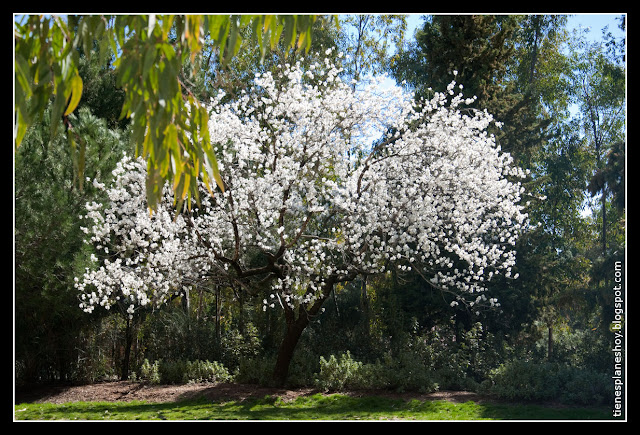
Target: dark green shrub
[239,344]
[585,387]
[407,372]
[528,380]
[207,371]
[525,380]
[173,372]
[257,370]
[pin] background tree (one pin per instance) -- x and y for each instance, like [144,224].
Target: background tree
[518,68]
[561,173]
[367,41]
[483,52]
[48,241]
[52,342]
[489,54]
[599,89]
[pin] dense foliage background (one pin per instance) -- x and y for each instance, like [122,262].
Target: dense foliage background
[562,102]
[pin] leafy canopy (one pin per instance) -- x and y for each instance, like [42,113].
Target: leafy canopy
[169,123]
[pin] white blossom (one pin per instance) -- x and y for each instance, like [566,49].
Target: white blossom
[325,182]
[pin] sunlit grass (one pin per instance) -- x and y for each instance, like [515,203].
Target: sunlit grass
[315,407]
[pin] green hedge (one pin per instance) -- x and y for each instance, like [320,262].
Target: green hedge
[514,380]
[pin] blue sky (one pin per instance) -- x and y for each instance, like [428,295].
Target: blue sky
[596,22]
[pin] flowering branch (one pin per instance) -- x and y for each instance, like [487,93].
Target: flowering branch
[323,182]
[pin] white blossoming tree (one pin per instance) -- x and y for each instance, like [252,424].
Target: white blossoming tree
[311,200]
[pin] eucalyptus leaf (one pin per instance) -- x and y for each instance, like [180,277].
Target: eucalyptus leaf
[76,94]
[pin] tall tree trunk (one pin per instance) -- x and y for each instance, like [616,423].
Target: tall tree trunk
[127,350]
[550,343]
[218,314]
[604,220]
[186,302]
[364,306]
[536,20]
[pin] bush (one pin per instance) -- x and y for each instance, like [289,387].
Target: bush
[172,334]
[338,374]
[302,370]
[527,380]
[585,387]
[239,344]
[205,371]
[258,370]
[406,373]
[173,372]
[182,372]
[150,372]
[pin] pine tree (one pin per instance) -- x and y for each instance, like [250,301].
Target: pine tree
[481,51]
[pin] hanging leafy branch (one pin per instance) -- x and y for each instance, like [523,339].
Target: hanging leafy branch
[169,123]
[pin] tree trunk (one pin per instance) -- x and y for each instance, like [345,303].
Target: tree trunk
[550,343]
[287,347]
[364,306]
[295,328]
[604,220]
[218,313]
[127,351]
[186,302]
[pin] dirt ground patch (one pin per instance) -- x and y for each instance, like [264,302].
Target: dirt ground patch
[129,391]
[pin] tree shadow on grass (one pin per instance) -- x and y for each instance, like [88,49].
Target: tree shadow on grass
[546,412]
[303,408]
[316,407]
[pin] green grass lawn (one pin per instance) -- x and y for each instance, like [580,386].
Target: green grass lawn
[316,407]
